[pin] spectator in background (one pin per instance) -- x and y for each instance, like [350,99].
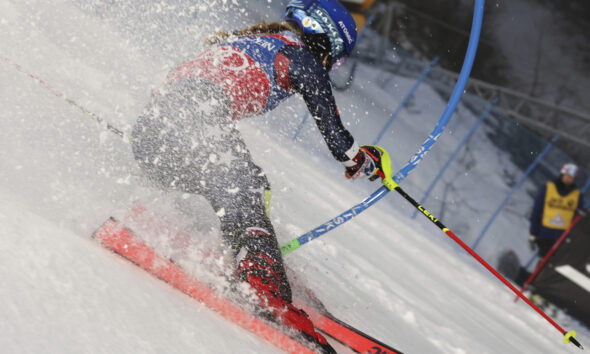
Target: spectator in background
[555,206]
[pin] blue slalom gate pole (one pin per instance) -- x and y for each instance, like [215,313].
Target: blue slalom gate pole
[456,152]
[516,186]
[405,101]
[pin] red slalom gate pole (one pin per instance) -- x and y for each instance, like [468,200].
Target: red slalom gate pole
[569,337]
[548,255]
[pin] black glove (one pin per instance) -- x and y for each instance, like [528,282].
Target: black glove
[533,242]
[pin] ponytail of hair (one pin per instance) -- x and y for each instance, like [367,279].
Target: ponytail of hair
[259,28]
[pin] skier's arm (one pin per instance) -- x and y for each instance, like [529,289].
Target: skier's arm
[309,78]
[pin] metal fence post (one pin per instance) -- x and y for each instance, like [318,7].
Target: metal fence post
[456,152]
[405,100]
[583,190]
[516,186]
[307,114]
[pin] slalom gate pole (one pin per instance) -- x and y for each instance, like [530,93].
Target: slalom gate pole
[297,242]
[548,255]
[57,93]
[568,336]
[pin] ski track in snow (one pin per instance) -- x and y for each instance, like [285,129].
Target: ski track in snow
[61,176]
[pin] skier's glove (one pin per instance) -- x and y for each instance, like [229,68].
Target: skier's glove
[532,242]
[368,164]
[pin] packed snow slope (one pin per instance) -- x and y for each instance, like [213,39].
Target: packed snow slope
[62,175]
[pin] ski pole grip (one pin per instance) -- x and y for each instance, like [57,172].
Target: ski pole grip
[390,183]
[385,170]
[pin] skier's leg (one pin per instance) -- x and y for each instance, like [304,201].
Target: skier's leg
[241,204]
[194,146]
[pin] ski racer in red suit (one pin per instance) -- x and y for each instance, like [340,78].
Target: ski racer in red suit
[187,140]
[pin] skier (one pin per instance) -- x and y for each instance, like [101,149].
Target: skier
[187,140]
[555,206]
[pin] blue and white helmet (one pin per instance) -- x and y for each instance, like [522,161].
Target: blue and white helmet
[325,16]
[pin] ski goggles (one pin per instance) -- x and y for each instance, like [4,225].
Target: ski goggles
[309,24]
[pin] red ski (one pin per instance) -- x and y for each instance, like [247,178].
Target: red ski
[346,334]
[121,240]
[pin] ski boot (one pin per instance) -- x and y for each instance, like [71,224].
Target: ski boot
[263,274]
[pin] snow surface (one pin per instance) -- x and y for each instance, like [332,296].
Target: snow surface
[62,175]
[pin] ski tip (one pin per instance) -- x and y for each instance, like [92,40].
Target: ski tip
[570,337]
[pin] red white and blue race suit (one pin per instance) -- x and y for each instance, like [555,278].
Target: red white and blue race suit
[186,138]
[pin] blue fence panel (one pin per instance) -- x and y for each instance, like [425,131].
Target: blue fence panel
[456,152]
[404,102]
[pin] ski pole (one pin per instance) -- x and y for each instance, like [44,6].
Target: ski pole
[57,93]
[388,184]
[568,336]
[548,255]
